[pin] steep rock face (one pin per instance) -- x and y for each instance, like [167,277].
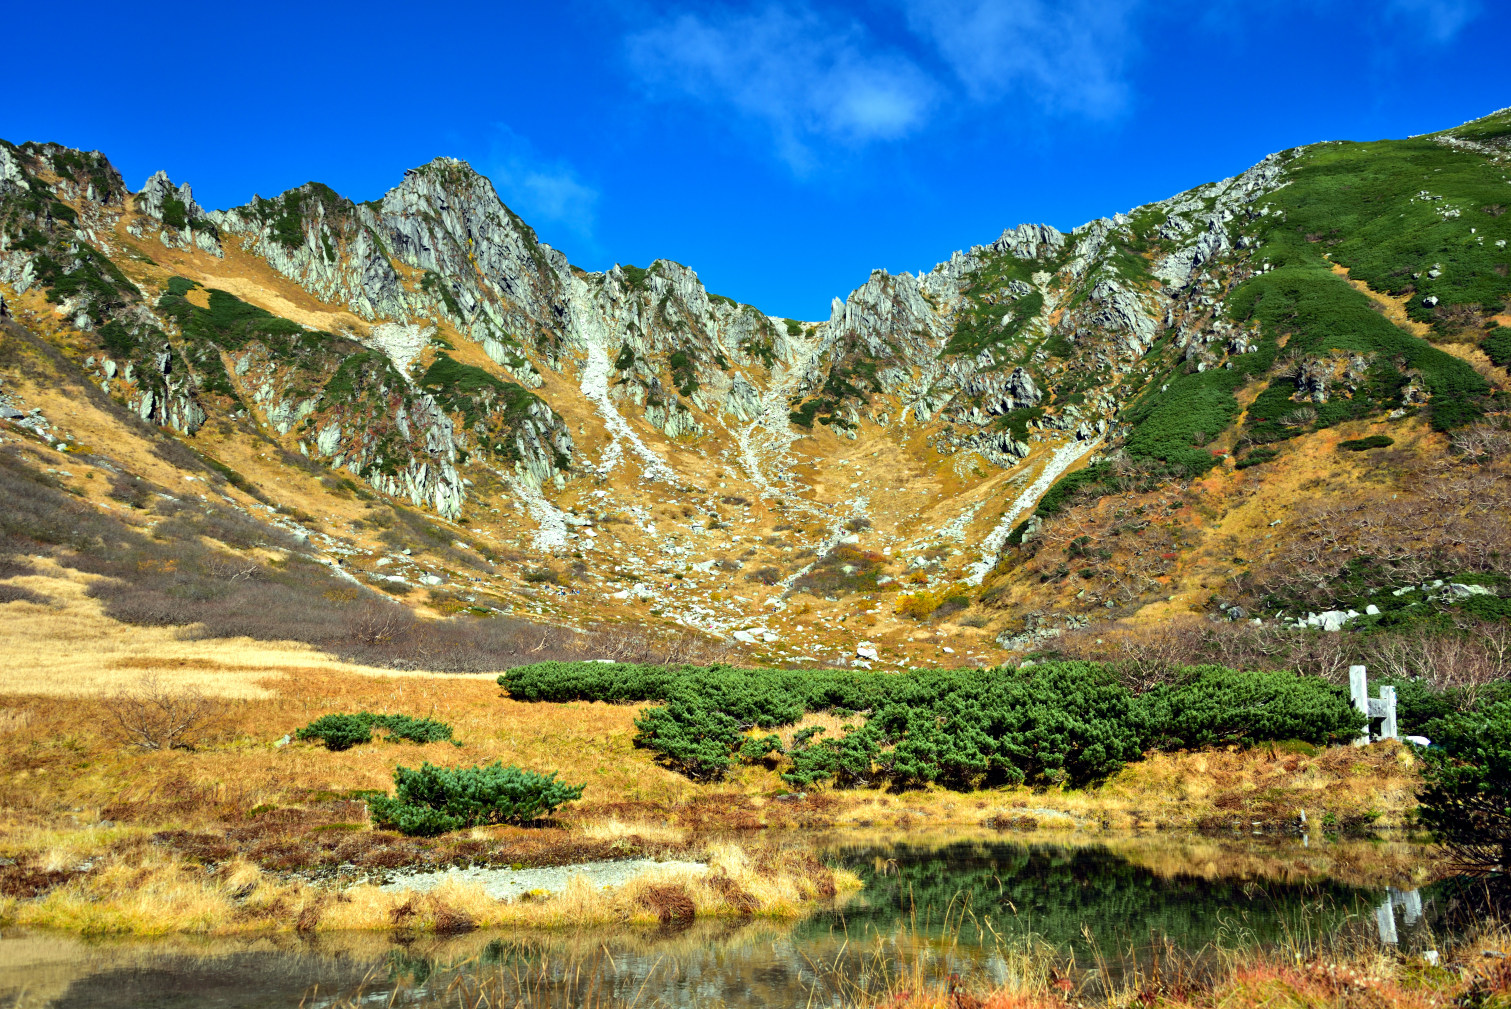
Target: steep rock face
[318,239]
[48,244]
[183,223]
[995,347]
[439,246]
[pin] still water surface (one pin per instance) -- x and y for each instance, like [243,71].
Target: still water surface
[967,908]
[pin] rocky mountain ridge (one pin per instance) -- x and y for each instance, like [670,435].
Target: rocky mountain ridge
[444,354]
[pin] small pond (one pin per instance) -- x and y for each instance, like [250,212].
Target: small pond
[972,908]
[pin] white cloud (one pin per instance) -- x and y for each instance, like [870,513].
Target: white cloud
[1067,56]
[1439,20]
[538,189]
[805,79]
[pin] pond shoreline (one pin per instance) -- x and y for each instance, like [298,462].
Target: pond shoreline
[927,917]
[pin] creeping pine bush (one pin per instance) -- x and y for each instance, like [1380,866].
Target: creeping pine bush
[432,800]
[1466,800]
[1065,722]
[342,732]
[1365,444]
[1214,706]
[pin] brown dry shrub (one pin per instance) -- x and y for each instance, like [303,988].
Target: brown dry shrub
[1442,515]
[771,860]
[451,920]
[1468,659]
[765,576]
[206,848]
[26,881]
[735,895]
[1482,443]
[1008,821]
[308,918]
[631,643]
[670,902]
[401,915]
[16,594]
[1456,323]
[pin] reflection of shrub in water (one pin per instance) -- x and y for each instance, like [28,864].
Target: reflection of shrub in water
[1054,891]
[1467,776]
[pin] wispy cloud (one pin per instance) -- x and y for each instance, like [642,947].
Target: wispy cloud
[803,78]
[541,190]
[1064,56]
[1439,20]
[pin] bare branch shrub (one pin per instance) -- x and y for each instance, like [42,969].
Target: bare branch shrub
[1445,517]
[155,716]
[1482,442]
[623,643]
[1466,661]
[1142,657]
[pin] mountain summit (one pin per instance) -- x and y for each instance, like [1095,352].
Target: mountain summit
[1275,399]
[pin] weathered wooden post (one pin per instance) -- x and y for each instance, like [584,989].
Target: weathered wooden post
[1382,707]
[1358,692]
[1386,711]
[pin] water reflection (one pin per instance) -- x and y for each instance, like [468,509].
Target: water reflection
[985,911]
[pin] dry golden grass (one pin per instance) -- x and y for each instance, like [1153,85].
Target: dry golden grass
[70,648]
[614,829]
[64,765]
[157,894]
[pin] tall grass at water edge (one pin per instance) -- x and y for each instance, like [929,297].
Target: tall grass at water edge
[943,964]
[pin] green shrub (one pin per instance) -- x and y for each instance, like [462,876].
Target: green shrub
[1497,345]
[175,212]
[1066,723]
[1364,444]
[690,737]
[433,800]
[1172,426]
[1257,457]
[1417,704]
[342,732]
[1214,706]
[1466,799]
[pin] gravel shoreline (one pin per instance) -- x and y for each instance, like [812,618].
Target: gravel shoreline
[508,884]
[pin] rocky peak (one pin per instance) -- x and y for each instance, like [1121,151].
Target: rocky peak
[1030,241]
[184,222]
[159,197]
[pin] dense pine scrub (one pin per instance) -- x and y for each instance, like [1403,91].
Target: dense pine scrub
[431,800]
[1413,218]
[1062,722]
[342,370]
[342,731]
[1466,800]
[1001,301]
[1396,212]
[1420,219]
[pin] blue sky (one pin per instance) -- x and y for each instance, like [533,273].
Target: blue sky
[782,149]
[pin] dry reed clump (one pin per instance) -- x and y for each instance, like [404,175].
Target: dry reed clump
[669,902]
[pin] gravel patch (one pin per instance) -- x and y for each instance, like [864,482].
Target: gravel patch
[507,884]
